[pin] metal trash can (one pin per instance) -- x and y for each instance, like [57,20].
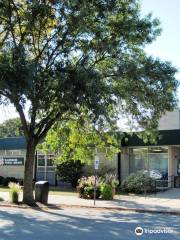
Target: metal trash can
[41,191]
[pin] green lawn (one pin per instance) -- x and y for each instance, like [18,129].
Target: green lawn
[52,191]
[62,191]
[4,189]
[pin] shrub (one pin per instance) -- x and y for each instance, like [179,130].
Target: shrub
[111,180]
[86,187]
[7,180]
[1,199]
[106,192]
[14,191]
[138,183]
[104,187]
[70,171]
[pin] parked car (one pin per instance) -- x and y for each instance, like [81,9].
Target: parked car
[155,174]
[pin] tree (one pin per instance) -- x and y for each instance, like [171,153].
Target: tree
[58,58]
[11,128]
[79,139]
[70,171]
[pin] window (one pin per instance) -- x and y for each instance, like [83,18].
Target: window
[151,159]
[41,161]
[49,162]
[45,159]
[138,159]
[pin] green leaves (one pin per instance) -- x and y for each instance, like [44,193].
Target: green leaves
[64,56]
[77,140]
[11,128]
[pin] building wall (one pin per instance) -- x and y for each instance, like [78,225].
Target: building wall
[124,171]
[171,120]
[105,165]
[12,170]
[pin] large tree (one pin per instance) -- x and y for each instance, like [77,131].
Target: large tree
[61,57]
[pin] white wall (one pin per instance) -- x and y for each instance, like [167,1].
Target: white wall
[124,163]
[171,120]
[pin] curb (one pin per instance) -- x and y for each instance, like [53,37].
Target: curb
[61,206]
[117,209]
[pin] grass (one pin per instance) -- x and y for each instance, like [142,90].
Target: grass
[62,191]
[4,189]
[52,191]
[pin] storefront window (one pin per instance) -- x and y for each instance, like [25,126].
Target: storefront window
[151,159]
[138,159]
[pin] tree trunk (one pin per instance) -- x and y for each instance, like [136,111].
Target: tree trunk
[28,196]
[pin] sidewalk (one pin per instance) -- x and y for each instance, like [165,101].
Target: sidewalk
[168,201]
[163,202]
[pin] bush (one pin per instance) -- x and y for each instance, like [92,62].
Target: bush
[104,186]
[111,180]
[7,180]
[86,187]
[138,183]
[14,191]
[70,171]
[106,192]
[88,192]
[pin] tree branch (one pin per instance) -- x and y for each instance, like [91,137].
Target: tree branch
[10,24]
[41,134]
[19,20]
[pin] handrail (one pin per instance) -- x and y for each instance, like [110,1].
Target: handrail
[169,181]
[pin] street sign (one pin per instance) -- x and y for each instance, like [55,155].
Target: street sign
[13,161]
[96,163]
[96,167]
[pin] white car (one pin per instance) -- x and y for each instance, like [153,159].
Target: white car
[155,174]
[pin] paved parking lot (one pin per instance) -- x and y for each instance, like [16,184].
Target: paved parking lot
[80,224]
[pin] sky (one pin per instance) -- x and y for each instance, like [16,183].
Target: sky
[166,47]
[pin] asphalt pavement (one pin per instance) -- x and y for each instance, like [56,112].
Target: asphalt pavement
[85,224]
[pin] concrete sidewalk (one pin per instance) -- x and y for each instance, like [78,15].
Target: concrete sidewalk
[168,201]
[165,202]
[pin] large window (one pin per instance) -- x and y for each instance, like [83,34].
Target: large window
[41,161]
[151,159]
[45,160]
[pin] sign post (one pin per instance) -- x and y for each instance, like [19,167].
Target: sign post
[96,166]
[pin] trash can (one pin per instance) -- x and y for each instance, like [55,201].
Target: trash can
[41,191]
